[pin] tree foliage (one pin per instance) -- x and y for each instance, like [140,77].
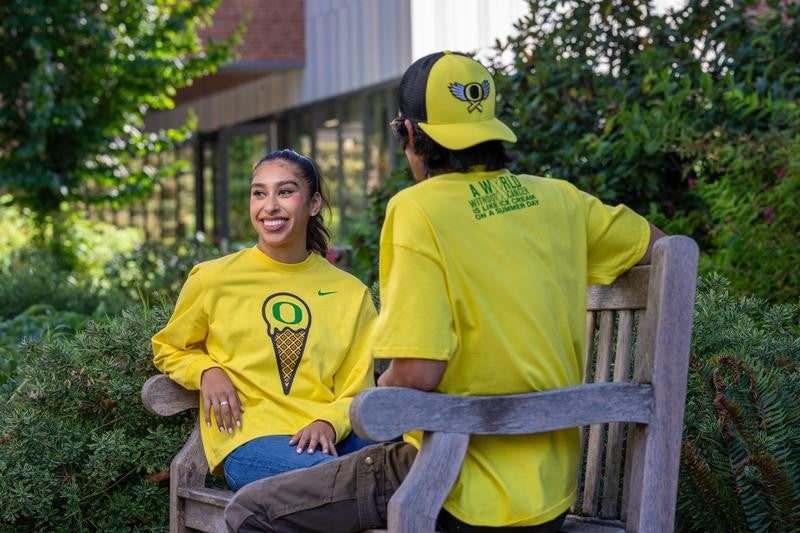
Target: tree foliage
[77,78]
[622,101]
[750,183]
[604,93]
[364,237]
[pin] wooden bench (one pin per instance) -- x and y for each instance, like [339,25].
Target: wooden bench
[630,410]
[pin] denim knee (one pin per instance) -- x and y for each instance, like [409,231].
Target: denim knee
[266,457]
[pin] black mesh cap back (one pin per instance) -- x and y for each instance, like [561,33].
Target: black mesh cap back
[411,93]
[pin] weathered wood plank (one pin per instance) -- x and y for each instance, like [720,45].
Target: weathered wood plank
[213,497]
[605,341]
[664,362]
[573,524]
[629,291]
[204,508]
[641,340]
[597,432]
[579,524]
[588,363]
[202,516]
[188,470]
[162,396]
[591,322]
[622,362]
[485,415]
[416,504]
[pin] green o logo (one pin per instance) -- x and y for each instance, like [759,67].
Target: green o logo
[285,310]
[281,313]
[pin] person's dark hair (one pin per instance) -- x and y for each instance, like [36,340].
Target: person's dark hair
[440,160]
[318,237]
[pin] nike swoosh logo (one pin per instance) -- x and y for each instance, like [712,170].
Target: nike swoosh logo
[323,293]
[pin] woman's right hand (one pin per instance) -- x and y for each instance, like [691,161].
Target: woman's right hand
[220,395]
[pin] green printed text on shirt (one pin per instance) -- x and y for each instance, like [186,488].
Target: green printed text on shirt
[498,195]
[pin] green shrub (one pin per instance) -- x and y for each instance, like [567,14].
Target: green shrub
[37,295]
[68,273]
[77,449]
[37,321]
[33,277]
[751,185]
[365,232]
[18,230]
[88,245]
[739,467]
[8,368]
[83,246]
[155,271]
[605,93]
[621,100]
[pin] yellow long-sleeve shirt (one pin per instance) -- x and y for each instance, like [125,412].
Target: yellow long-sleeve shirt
[293,338]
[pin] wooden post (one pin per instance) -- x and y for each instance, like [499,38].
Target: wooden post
[416,504]
[221,215]
[199,184]
[662,359]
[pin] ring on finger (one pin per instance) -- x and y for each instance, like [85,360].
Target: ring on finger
[223,402]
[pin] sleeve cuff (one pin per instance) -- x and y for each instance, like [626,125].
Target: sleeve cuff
[411,353]
[334,418]
[194,372]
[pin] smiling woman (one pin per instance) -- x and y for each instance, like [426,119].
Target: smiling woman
[285,200]
[253,332]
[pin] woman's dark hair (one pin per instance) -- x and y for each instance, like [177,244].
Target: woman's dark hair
[440,160]
[317,235]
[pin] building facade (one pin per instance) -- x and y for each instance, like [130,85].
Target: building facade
[318,76]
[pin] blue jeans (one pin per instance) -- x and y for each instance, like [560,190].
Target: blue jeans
[269,456]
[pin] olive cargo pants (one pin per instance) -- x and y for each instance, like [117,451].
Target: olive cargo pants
[348,494]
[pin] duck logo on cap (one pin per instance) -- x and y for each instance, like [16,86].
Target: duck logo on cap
[474,93]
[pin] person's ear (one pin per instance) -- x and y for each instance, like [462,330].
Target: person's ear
[316,204]
[410,132]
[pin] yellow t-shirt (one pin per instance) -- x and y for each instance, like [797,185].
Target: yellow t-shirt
[246,312]
[488,271]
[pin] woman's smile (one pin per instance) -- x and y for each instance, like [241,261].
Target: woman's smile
[274,224]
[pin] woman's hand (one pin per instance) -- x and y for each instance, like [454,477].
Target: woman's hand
[316,433]
[220,394]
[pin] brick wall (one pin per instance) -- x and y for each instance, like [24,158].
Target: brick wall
[275,29]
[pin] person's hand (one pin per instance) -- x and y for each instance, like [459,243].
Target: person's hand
[316,433]
[220,395]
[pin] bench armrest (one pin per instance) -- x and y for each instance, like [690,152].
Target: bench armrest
[581,405]
[162,396]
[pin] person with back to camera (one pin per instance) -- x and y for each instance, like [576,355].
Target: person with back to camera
[275,337]
[483,277]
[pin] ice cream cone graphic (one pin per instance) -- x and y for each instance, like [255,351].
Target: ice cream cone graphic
[288,321]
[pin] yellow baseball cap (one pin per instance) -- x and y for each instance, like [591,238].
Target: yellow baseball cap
[452,98]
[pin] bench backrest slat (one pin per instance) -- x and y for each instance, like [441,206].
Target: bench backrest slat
[594,451]
[616,431]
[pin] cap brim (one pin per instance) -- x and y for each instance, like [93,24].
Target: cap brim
[466,134]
